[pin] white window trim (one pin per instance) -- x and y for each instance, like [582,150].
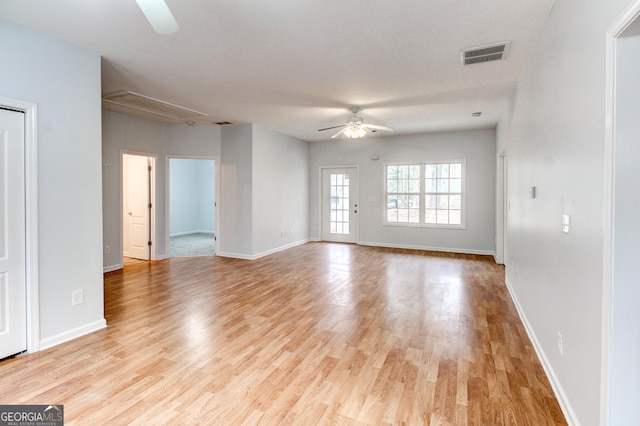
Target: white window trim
[421,224]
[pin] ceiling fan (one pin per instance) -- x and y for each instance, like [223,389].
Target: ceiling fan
[355,127]
[159,16]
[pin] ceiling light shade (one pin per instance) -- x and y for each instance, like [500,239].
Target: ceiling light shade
[159,16]
[355,132]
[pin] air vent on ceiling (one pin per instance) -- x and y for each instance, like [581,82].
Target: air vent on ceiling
[146,104]
[223,123]
[491,52]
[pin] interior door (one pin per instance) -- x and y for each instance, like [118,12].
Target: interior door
[13,320]
[340,205]
[137,206]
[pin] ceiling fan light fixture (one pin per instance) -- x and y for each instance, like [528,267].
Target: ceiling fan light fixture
[355,132]
[159,16]
[355,127]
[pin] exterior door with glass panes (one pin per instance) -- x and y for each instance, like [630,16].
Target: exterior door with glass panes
[340,205]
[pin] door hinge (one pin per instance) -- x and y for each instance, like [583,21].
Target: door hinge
[149,205]
[149,167]
[149,243]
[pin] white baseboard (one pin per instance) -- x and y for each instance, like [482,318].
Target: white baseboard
[235,255]
[428,248]
[558,390]
[262,254]
[112,268]
[72,334]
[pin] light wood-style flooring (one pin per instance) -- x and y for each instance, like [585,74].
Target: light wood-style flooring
[321,334]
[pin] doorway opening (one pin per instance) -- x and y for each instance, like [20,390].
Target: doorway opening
[138,201]
[621,317]
[192,206]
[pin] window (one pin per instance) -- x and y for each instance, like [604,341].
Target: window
[427,194]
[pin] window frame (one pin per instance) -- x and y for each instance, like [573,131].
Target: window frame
[422,195]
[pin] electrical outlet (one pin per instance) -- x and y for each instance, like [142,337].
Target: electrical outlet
[77,297]
[560,344]
[107,249]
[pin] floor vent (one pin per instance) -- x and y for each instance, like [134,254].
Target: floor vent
[491,52]
[144,104]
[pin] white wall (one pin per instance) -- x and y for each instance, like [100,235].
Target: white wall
[191,196]
[196,141]
[123,133]
[280,190]
[476,147]
[64,82]
[624,359]
[555,141]
[235,233]
[264,190]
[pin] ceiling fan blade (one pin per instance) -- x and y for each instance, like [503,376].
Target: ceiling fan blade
[338,133]
[159,16]
[378,127]
[329,128]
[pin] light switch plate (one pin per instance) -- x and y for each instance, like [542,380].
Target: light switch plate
[77,297]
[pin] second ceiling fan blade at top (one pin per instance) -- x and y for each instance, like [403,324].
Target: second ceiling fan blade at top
[159,16]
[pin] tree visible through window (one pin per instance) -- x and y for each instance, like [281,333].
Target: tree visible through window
[403,193]
[425,194]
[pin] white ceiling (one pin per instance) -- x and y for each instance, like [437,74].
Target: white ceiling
[297,66]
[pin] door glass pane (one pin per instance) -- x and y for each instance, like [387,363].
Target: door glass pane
[339,218]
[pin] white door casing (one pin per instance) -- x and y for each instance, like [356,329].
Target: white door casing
[137,206]
[339,215]
[13,287]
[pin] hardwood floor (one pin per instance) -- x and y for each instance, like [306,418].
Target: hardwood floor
[321,334]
